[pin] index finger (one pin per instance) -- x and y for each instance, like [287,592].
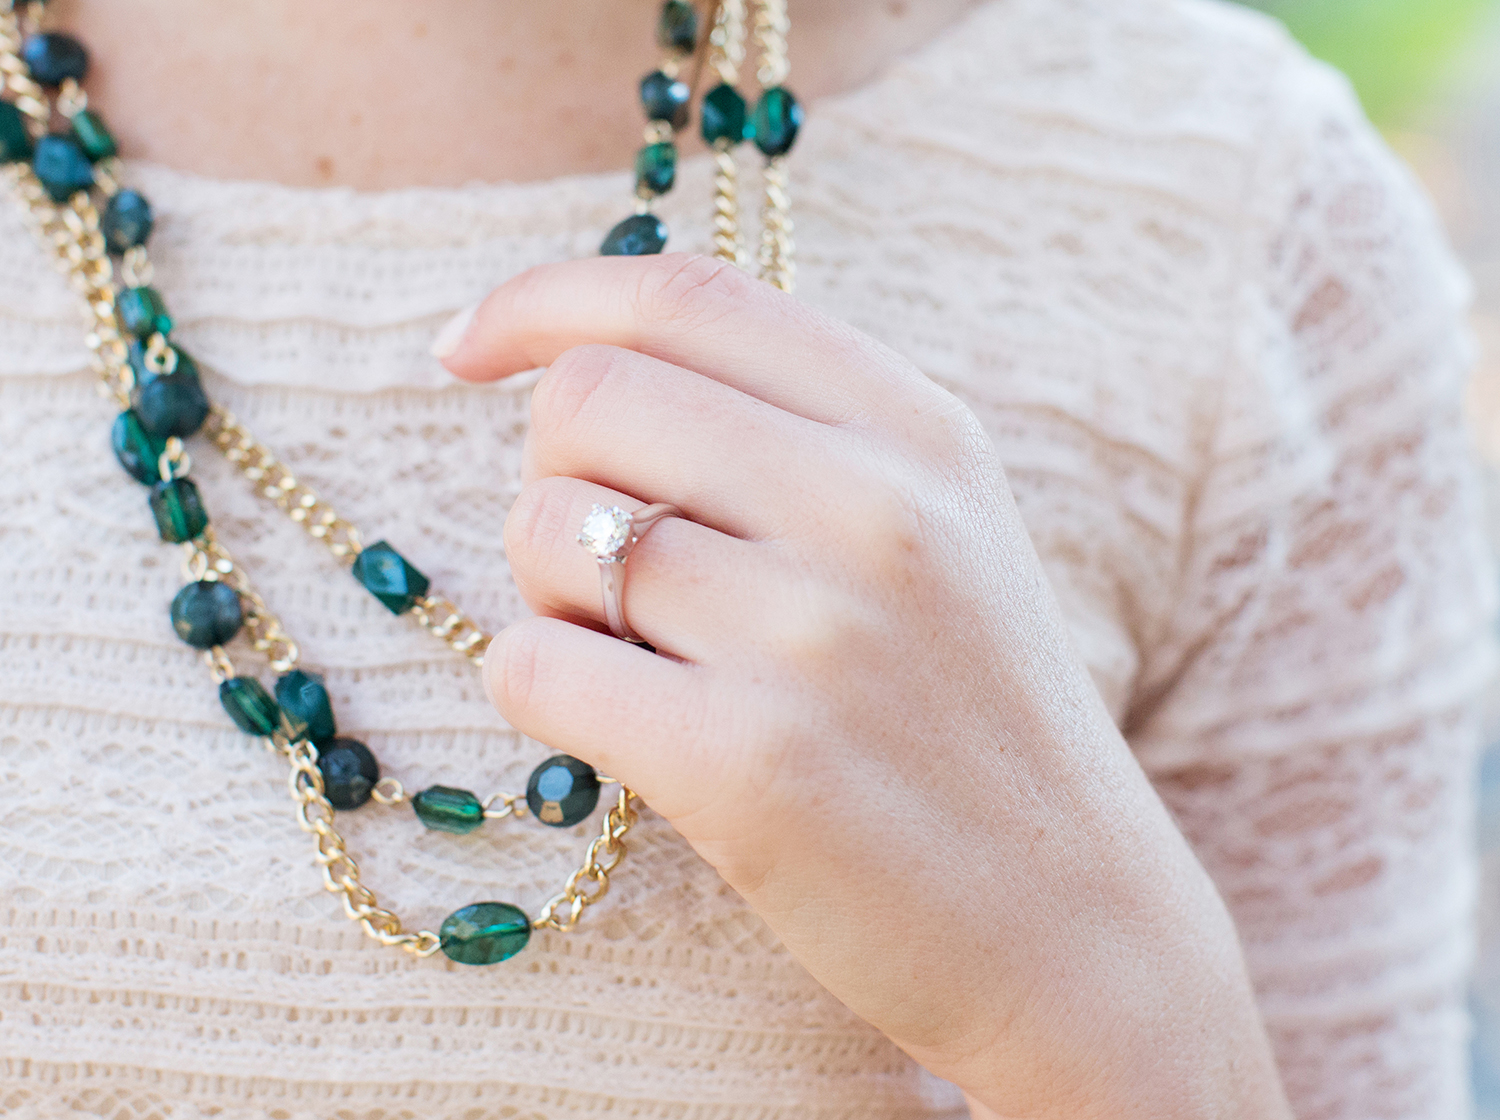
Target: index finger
[693,311]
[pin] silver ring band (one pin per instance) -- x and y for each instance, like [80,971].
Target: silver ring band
[609,533]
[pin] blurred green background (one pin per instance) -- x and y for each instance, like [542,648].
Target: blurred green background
[1399,53]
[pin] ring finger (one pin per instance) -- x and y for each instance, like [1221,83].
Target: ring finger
[684,583]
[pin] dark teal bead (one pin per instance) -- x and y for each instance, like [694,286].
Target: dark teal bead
[127,221]
[778,116]
[178,509]
[63,167]
[138,450]
[562,791]
[53,58]
[168,404]
[484,933]
[252,709]
[656,169]
[15,141]
[89,128]
[349,773]
[726,117]
[143,312]
[386,575]
[445,809]
[171,404]
[302,696]
[640,235]
[665,98]
[677,29]
[207,614]
[136,353]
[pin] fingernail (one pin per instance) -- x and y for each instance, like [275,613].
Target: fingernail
[452,334]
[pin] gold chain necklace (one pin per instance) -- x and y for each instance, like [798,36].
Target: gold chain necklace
[153,380]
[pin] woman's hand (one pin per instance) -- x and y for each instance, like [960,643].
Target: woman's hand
[869,718]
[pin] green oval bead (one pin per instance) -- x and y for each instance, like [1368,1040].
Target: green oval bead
[726,117]
[677,29]
[207,614]
[484,933]
[63,167]
[640,235]
[143,312]
[93,135]
[387,576]
[138,451]
[656,169]
[445,809]
[15,141]
[171,404]
[349,773]
[302,696]
[178,509]
[250,706]
[562,791]
[778,117]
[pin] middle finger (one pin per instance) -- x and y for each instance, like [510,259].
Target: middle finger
[665,434]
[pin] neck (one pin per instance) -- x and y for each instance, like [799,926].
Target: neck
[378,94]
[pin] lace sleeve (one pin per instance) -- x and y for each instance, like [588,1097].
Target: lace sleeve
[1310,717]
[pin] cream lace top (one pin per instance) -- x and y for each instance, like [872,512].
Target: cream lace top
[1214,331]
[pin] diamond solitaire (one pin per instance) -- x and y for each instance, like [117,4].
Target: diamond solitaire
[606,532]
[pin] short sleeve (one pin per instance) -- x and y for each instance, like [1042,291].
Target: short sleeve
[1311,714]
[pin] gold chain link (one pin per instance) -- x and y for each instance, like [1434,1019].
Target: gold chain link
[777,248]
[610,843]
[71,231]
[725,56]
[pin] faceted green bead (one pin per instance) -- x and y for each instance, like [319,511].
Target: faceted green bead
[562,791]
[15,141]
[677,29]
[446,809]
[169,404]
[138,451]
[92,134]
[484,933]
[207,614]
[778,116]
[178,509]
[640,235]
[349,773]
[726,117]
[302,696]
[386,575]
[53,57]
[665,98]
[656,169]
[252,709]
[63,167]
[127,221]
[143,312]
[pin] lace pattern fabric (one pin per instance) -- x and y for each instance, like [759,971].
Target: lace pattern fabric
[1213,331]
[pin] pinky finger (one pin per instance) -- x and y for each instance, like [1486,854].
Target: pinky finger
[616,706]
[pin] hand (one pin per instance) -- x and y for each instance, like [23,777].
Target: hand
[868,716]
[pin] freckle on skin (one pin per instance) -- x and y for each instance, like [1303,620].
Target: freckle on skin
[323,167]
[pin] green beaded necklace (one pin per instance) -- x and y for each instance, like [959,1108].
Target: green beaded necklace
[56,176]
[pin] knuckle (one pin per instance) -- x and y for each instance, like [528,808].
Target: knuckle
[566,393]
[689,289]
